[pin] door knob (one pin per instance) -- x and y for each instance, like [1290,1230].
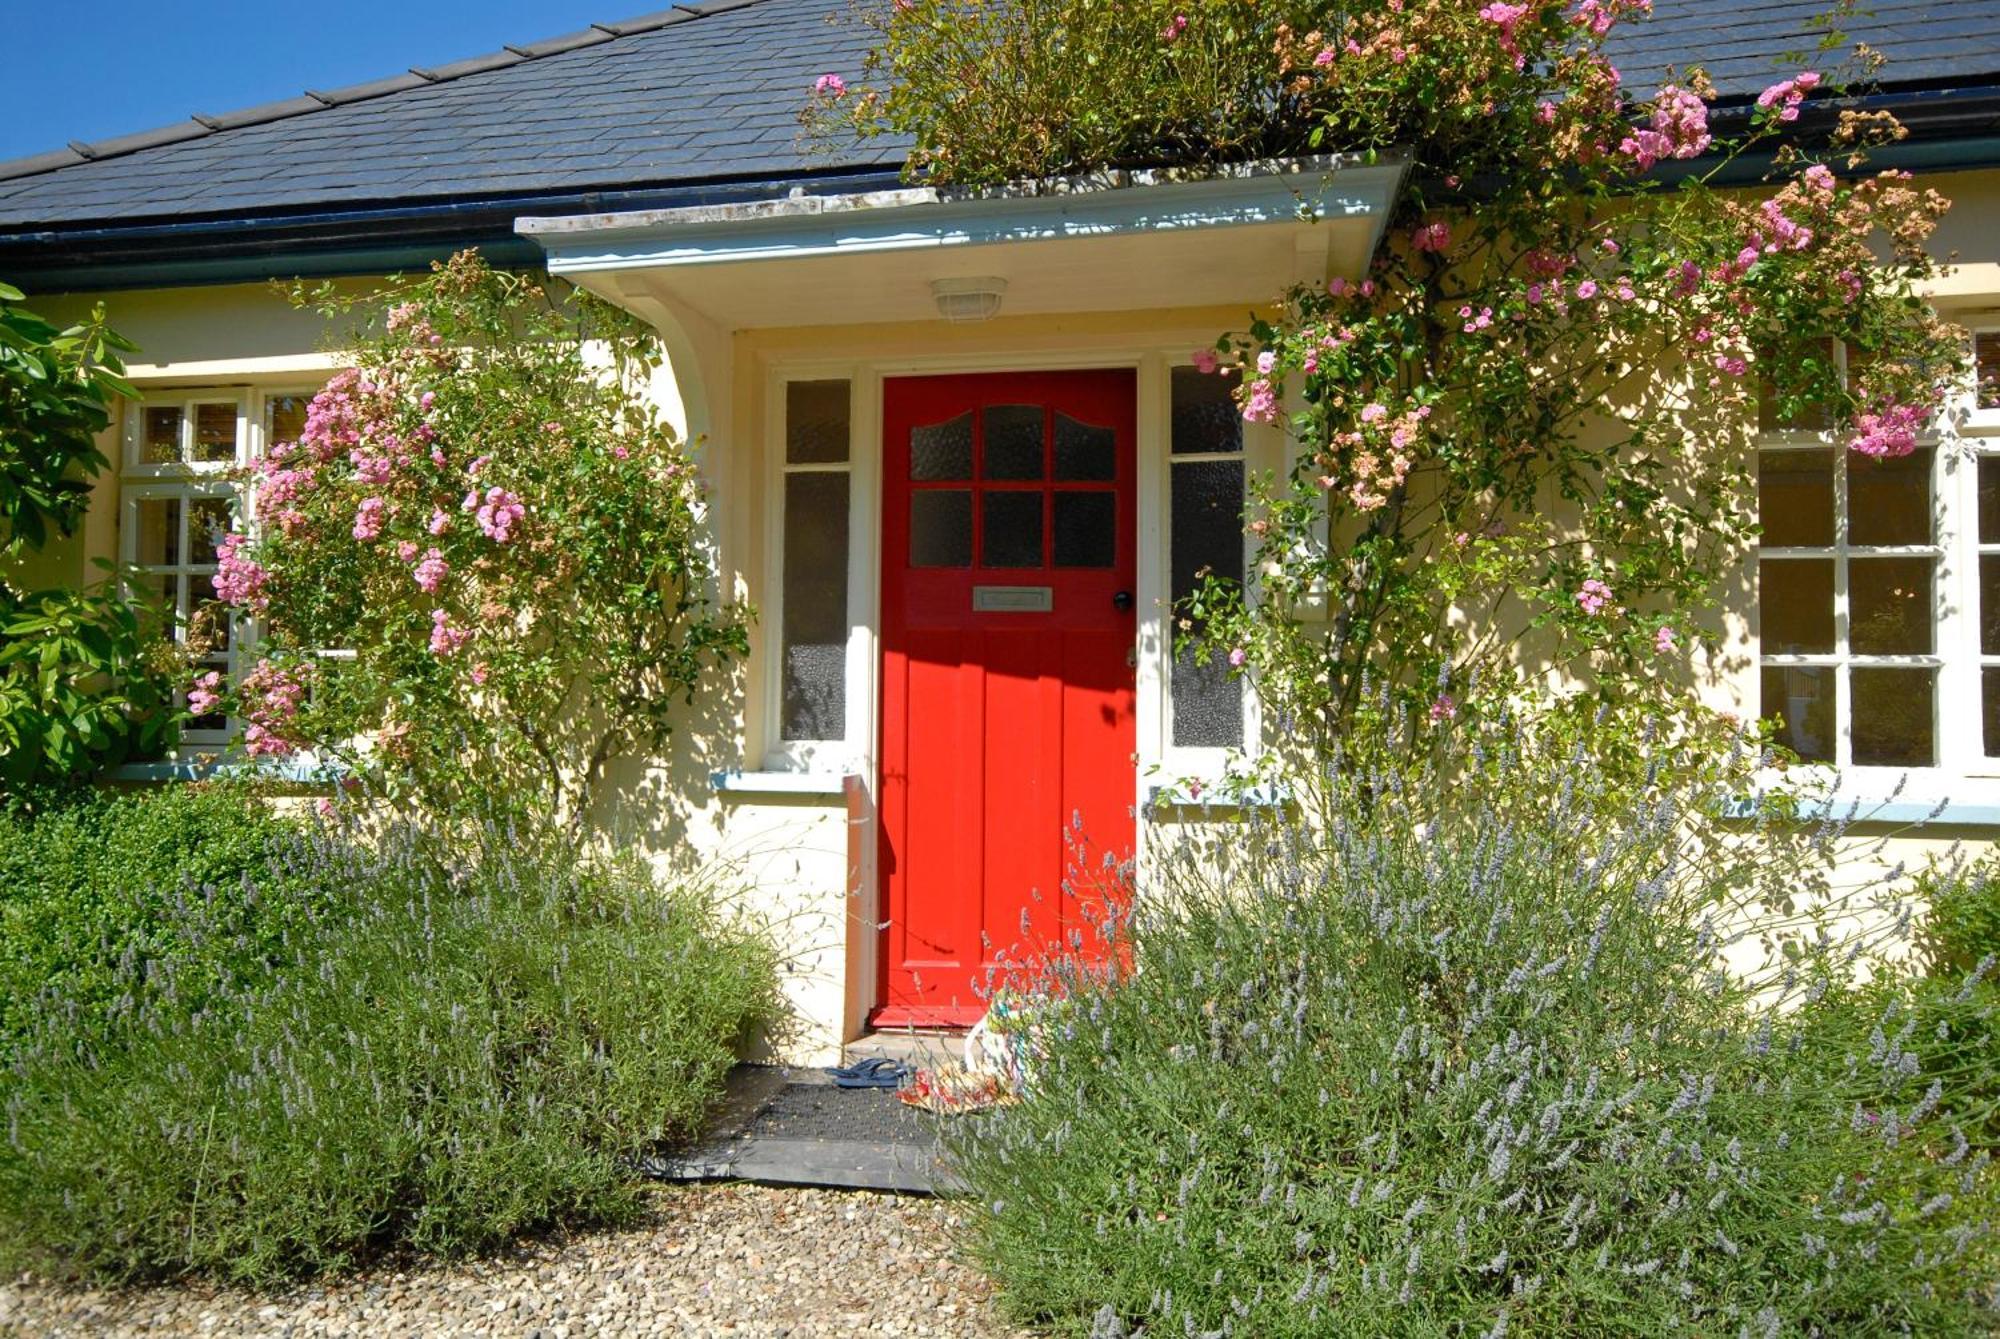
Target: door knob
[1122,601]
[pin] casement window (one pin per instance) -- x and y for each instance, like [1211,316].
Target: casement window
[1878,595]
[177,500]
[816,465]
[1205,534]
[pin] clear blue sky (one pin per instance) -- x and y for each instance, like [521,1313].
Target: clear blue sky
[91,69]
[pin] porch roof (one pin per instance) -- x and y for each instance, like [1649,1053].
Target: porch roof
[1106,241]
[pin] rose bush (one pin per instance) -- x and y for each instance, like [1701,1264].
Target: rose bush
[1534,412]
[478,570]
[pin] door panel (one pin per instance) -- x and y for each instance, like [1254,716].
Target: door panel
[1010,517]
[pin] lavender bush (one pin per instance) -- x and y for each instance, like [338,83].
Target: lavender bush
[1465,1059]
[479,1043]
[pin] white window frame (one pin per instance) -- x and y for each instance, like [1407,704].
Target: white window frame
[1206,763]
[818,755]
[1960,771]
[189,480]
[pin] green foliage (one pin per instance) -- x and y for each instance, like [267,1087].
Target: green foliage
[95,886]
[1466,1059]
[992,92]
[489,514]
[1962,925]
[86,682]
[476,1046]
[54,388]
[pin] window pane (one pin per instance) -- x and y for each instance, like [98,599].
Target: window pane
[157,522]
[1205,416]
[167,591]
[1889,606]
[942,450]
[160,435]
[208,521]
[1085,451]
[1795,498]
[1810,365]
[815,598]
[1989,604]
[816,422]
[1795,605]
[1894,719]
[1206,536]
[1086,529]
[1989,499]
[214,432]
[1013,441]
[1989,695]
[1987,368]
[1012,529]
[941,527]
[284,419]
[1889,501]
[208,619]
[1800,698]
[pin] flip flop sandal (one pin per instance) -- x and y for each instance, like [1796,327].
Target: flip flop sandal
[876,1072]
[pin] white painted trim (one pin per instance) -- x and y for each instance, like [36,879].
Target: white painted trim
[925,218]
[739,782]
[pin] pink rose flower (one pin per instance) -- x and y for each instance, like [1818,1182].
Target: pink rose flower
[430,573]
[830,86]
[368,519]
[1592,596]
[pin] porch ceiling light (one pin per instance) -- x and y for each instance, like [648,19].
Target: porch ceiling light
[968,299]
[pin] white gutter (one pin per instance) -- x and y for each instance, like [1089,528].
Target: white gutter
[1101,204]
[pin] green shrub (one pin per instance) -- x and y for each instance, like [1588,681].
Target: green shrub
[1466,1060]
[479,1047]
[1962,925]
[86,682]
[96,885]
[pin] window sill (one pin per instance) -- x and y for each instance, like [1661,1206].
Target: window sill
[1205,795]
[298,771]
[739,782]
[1956,801]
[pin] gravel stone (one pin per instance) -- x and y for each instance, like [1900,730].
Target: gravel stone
[736,1260]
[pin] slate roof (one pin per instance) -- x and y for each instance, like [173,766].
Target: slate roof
[710,93]
[701,93]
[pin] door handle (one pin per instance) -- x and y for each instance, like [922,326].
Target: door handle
[1122,601]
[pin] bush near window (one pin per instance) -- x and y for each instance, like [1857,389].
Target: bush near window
[478,1045]
[86,682]
[97,886]
[86,676]
[1532,414]
[488,513]
[1510,1045]
[55,389]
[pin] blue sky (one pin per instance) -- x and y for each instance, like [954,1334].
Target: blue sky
[91,69]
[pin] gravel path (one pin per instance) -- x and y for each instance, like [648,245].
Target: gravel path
[712,1260]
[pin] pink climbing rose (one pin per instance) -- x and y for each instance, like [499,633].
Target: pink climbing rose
[430,573]
[830,86]
[1592,596]
[368,519]
[498,514]
[1890,430]
[446,638]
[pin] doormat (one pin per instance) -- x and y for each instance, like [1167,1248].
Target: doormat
[795,1128]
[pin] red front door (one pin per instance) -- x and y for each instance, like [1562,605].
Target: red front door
[1007,648]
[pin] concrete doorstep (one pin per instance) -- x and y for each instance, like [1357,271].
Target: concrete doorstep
[790,1127]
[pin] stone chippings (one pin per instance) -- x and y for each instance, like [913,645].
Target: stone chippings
[711,1260]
